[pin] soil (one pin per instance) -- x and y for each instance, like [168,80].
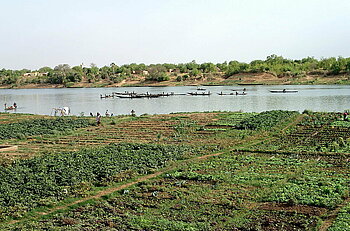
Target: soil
[304,209]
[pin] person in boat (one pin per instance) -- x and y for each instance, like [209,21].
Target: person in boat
[15,105]
[284,90]
[98,118]
[9,108]
[236,93]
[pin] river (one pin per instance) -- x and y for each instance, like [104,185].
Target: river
[259,98]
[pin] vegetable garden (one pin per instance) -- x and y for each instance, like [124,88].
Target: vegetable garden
[275,170]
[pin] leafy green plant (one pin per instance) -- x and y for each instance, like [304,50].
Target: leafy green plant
[23,129]
[265,120]
[54,177]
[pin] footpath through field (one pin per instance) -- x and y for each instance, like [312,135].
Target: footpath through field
[242,145]
[115,189]
[245,143]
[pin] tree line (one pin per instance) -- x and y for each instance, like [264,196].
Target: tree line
[273,64]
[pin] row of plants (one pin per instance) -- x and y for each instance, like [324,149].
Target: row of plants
[342,222]
[265,120]
[319,119]
[341,123]
[227,192]
[27,128]
[317,131]
[232,119]
[46,179]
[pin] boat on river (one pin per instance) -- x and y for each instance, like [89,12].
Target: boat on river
[221,93]
[199,93]
[10,108]
[14,107]
[284,91]
[144,95]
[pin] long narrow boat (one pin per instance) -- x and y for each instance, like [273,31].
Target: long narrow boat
[221,93]
[199,93]
[10,108]
[284,91]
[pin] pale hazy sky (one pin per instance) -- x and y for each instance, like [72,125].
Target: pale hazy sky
[37,33]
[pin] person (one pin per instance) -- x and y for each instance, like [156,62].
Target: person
[92,115]
[14,105]
[107,114]
[98,118]
[284,90]
[133,112]
[345,115]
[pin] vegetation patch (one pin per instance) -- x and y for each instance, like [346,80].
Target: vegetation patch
[47,179]
[40,127]
[342,222]
[265,120]
[290,172]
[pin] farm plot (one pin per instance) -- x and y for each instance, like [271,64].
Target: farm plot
[47,179]
[23,129]
[234,191]
[317,132]
[168,129]
[237,190]
[6,118]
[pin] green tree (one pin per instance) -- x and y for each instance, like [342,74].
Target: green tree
[157,73]
[45,70]
[194,72]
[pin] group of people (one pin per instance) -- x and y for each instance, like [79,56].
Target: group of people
[99,116]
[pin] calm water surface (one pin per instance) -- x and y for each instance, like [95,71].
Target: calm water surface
[258,98]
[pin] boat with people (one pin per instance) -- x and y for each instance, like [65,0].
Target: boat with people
[144,95]
[244,89]
[199,93]
[12,107]
[284,91]
[236,93]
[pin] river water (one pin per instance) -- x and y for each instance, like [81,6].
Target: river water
[259,98]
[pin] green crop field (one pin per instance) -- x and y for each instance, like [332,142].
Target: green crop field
[275,170]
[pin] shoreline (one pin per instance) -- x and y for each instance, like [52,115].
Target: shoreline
[219,80]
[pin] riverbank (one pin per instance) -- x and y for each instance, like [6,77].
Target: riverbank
[217,79]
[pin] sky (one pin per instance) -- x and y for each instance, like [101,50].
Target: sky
[38,33]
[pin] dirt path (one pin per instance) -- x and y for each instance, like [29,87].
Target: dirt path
[332,216]
[252,140]
[114,189]
[294,122]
